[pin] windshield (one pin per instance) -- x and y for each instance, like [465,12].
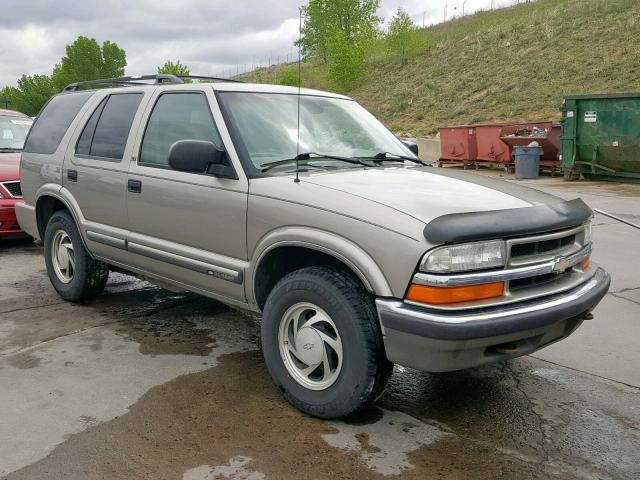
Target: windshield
[13,132]
[268,122]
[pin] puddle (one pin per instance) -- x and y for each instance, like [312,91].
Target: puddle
[79,380]
[236,469]
[385,444]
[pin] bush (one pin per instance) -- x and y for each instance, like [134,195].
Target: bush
[288,76]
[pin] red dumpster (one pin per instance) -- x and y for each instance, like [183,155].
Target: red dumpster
[457,145]
[547,134]
[490,147]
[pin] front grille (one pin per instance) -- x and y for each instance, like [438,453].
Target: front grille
[542,248]
[13,188]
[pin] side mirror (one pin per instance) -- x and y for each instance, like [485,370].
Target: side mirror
[199,156]
[413,146]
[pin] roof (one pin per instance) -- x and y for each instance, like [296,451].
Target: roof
[12,113]
[221,87]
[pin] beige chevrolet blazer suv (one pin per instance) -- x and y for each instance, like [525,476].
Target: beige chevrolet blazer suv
[301,206]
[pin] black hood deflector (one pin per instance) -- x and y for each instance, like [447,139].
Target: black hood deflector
[464,227]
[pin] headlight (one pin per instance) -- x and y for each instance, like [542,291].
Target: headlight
[465,257]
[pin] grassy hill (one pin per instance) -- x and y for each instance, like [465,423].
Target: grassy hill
[510,64]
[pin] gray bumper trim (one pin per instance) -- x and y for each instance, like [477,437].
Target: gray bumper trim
[489,322]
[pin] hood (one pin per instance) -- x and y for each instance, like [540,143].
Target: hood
[426,193]
[9,166]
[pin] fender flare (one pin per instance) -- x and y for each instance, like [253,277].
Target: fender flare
[349,253]
[63,195]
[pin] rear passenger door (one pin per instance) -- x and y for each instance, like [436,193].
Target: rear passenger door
[95,170]
[189,227]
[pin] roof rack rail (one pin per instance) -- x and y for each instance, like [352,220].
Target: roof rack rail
[204,77]
[132,80]
[138,80]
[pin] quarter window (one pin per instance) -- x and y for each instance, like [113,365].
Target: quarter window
[107,130]
[177,116]
[53,122]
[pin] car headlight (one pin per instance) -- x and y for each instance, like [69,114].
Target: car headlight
[465,257]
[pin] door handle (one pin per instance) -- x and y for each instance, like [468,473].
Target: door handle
[72,175]
[134,186]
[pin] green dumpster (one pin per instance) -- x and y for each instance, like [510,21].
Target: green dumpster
[601,136]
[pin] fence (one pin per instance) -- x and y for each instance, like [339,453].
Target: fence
[273,59]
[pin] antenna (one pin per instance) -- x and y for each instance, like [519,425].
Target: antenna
[297,179]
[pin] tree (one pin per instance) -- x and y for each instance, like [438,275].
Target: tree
[31,93]
[339,32]
[345,61]
[85,59]
[355,19]
[402,37]
[171,68]
[6,98]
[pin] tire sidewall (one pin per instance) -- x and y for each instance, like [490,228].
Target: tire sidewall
[354,382]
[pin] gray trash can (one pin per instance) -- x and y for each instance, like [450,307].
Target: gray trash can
[527,161]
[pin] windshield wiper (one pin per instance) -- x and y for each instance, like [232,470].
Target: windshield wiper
[395,157]
[308,156]
[4,149]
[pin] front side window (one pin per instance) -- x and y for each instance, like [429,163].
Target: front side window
[268,126]
[13,132]
[107,130]
[176,116]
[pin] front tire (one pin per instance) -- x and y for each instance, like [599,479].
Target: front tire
[322,343]
[74,274]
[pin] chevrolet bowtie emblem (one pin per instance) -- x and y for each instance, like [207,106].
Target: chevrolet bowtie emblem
[561,264]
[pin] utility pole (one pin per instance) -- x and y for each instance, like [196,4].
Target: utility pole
[445,10]
[463,2]
[423,14]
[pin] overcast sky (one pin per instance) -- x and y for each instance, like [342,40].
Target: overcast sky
[210,36]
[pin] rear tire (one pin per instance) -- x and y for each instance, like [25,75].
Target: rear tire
[74,274]
[323,317]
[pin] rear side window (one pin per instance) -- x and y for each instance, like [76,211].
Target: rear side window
[176,116]
[53,122]
[107,130]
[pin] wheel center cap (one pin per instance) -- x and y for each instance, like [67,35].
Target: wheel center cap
[63,256]
[309,346]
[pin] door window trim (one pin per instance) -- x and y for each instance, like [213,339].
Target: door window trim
[148,120]
[105,99]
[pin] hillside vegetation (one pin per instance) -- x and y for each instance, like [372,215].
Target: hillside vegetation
[510,64]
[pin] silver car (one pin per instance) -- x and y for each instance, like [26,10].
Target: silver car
[302,206]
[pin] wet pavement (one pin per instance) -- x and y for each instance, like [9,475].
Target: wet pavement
[143,383]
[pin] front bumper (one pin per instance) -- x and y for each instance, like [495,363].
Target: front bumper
[439,341]
[8,223]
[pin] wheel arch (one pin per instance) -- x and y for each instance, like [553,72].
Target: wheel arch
[53,198]
[291,249]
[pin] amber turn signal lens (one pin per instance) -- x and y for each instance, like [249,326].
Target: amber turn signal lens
[584,264]
[440,295]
